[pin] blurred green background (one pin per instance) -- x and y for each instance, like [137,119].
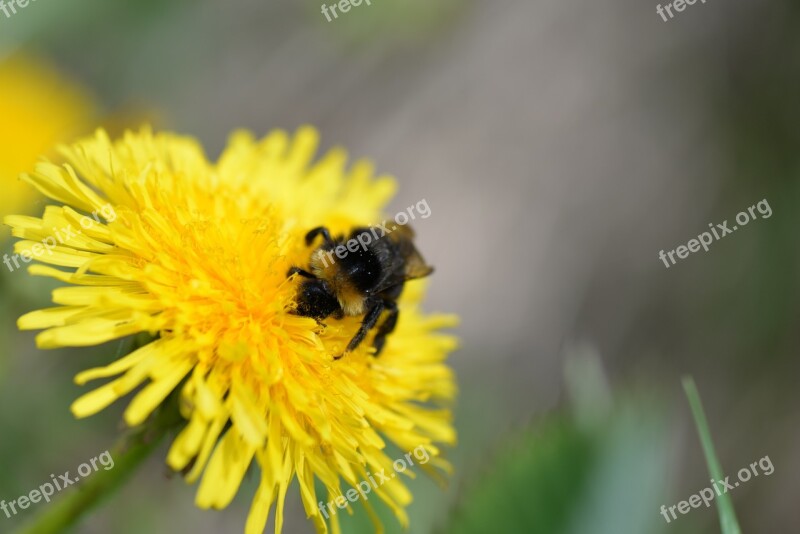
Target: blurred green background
[561,146]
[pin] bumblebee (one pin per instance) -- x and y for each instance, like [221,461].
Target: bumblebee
[362,275]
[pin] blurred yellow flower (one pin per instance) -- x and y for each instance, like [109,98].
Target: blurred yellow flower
[197,253]
[38,109]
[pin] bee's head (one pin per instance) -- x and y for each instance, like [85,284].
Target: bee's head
[315,299]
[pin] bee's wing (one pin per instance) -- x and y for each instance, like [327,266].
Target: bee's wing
[408,265]
[415,267]
[403,233]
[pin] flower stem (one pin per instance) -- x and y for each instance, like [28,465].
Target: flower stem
[128,455]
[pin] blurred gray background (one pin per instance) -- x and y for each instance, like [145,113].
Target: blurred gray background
[560,146]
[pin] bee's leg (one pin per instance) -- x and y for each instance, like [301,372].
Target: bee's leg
[301,272]
[370,319]
[312,235]
[386,328]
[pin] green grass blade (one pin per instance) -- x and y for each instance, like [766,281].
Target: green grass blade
[727,516]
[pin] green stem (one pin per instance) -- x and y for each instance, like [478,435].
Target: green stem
[128,454]
[727,516]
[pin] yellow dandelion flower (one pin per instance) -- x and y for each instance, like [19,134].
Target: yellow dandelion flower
[39,109]
[164,241]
